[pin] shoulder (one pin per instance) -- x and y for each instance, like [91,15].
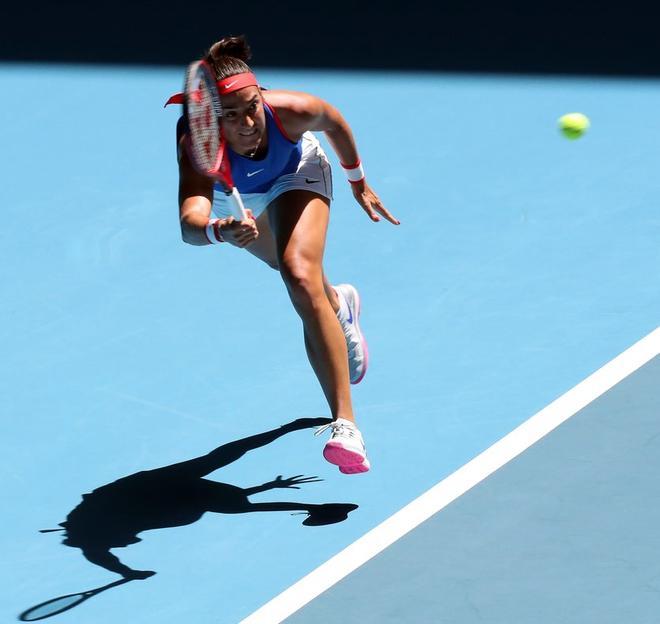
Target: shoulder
[296,110]
[293,101]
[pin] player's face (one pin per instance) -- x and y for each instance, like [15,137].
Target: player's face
[244,120]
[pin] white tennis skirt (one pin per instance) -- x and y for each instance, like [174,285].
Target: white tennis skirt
[313,174]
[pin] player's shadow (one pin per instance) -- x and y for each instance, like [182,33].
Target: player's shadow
[113,515]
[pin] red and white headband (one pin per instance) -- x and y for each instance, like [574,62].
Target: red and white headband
[225,86]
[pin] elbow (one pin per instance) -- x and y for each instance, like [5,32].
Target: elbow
[192,238]
[185,234]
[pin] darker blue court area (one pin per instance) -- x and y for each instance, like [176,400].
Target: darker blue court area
[564,533]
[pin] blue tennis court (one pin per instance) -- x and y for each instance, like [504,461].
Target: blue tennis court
[523,264]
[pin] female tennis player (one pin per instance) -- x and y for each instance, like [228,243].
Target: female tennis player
[285,181]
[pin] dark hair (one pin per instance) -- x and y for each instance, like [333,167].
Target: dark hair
[228,56]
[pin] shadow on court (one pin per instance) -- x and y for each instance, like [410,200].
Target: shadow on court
[113,515]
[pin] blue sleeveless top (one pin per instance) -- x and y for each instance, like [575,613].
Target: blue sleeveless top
[282,157]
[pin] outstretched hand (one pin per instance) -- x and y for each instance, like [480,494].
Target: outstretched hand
[371,203]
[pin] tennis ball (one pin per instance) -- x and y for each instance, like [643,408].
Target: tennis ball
[573,125]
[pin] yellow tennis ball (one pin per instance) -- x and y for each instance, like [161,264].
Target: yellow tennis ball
[573,125]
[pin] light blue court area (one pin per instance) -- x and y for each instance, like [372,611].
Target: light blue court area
[523,263]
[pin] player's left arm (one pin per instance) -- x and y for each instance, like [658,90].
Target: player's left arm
[301,112]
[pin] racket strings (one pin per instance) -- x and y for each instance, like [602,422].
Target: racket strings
[203,126]
[203,110]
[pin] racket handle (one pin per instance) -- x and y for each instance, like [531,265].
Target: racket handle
[237,207]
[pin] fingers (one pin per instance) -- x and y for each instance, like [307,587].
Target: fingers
[386,213]
[366,204]
[247,240]
[293,482]
[372,205]
[240,233]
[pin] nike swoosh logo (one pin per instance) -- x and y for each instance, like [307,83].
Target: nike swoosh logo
[249,175]
[311,180]
[231,84]
[350,316]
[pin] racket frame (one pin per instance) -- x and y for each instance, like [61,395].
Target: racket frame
[220,171]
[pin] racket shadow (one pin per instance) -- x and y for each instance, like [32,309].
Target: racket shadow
[58,605]
[112,516]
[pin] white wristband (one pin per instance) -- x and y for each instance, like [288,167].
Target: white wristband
[213,233]
[354,173]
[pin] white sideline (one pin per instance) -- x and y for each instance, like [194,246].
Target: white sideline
[456,484]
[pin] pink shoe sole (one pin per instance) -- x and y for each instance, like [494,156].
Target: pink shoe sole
[357,469]
[336,454]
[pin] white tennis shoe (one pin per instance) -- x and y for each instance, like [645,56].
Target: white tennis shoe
[345,448]
[349,315]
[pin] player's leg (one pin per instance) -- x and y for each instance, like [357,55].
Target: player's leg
[265,249]
[193,469]
[347,308]
[264,246]
[299,222]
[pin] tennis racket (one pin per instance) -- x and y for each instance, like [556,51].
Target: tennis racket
[56,606]
[206,145]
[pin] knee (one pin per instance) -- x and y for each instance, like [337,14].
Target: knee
[304,281]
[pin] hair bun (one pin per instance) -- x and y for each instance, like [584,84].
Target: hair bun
[236,47]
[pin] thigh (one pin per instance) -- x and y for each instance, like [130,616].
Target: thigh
[299,222]
[264,246]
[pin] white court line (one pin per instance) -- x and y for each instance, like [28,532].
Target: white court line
[456,484]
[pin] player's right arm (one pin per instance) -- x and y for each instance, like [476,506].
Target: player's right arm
[195,201]
[104,558]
